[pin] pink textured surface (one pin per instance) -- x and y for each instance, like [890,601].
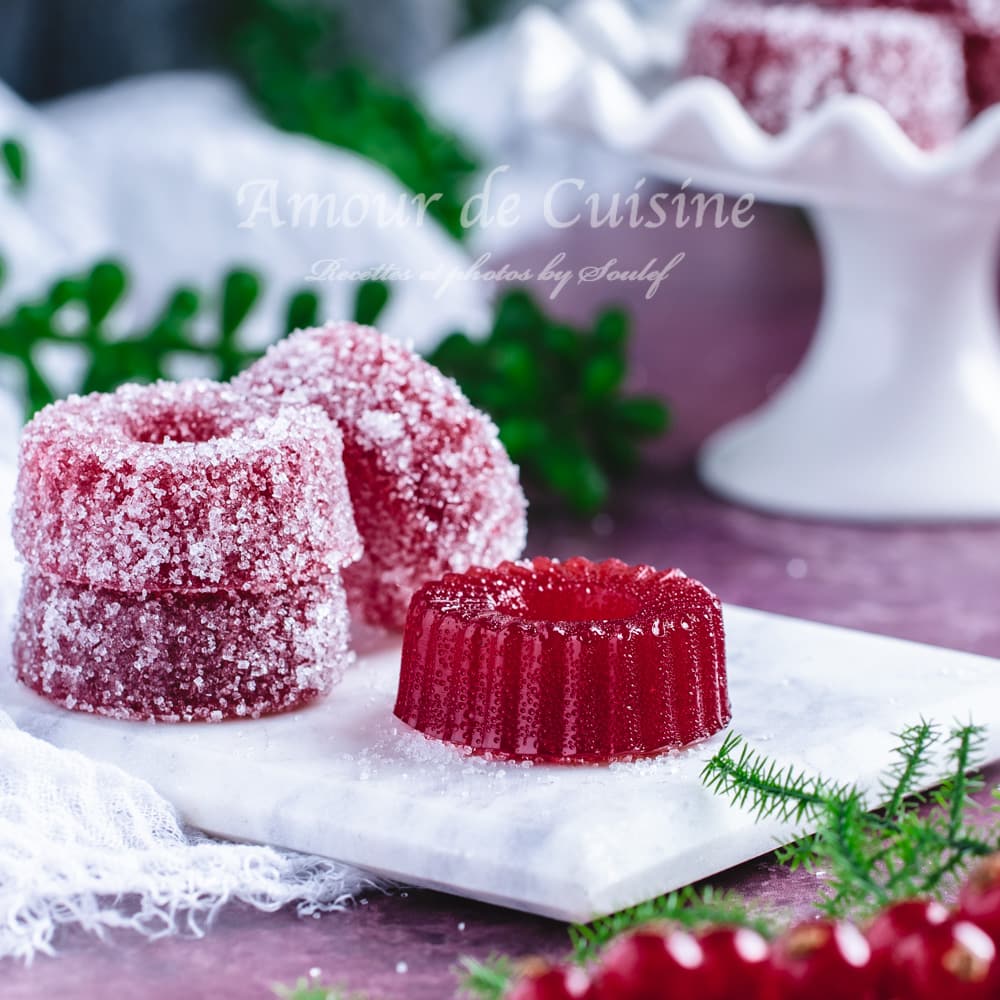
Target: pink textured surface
[546,660]
[182,487]
[432,487]
[180,656]
[719,337]
[785,60]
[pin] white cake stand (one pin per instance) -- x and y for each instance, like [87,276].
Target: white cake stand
[895,412]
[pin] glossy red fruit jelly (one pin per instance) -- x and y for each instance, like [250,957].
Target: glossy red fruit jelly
[552,983]
[180,657]
[735,964]
[783,60]
[567,662]
[432,487]
[182,486]
[822,959]
[649,965]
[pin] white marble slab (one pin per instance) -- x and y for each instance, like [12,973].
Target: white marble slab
[345,779]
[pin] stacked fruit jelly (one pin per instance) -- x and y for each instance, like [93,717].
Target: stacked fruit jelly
[183,548]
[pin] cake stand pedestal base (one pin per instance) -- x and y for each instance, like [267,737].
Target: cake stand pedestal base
[895,412]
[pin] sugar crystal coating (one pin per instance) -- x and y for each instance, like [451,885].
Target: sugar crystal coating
[785,60]
[182,486]
[565,662]
[180,656]
[432,487]
[971,14]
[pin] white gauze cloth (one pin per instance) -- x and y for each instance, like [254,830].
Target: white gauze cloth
[84,843]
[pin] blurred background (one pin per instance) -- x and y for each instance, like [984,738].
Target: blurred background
[152,150]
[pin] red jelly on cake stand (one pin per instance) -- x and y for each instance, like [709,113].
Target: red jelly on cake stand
[895,412]
[573,662]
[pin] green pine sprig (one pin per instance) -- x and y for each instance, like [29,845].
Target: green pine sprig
[489,980]
[692,908]
[557,394]
[917,844]
[310,988]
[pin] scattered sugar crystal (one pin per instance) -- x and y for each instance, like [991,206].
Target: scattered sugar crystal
[431,484]
[784,60]
[183,486]
[180,656]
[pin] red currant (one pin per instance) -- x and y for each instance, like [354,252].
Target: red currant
[648,965]
[979,900]
[953,960]
[735,964]
[552,983]
[822,959]
[894,924]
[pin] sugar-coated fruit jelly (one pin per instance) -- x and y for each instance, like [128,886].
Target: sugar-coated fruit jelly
[784,60]
[565,662]
[180,656]
[432,487]
[183,486]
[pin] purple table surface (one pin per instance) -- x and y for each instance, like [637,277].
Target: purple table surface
[731,322]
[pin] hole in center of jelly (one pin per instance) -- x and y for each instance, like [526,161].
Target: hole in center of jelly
[573,604]
[176,427]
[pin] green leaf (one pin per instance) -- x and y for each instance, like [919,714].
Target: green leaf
[15,159]
[66,290]
[643,415]
[305,78]
[105,286]
[183,305]
[555,392]
[611,330]
[302,312]
[523,436]
[239,294]
[577,478]
[372,297]
[602,376]
[457,355]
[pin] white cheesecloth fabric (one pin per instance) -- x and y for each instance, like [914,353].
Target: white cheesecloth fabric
[84,843]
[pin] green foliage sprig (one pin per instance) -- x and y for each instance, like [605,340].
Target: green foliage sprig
[295,64]
[487,980]
[916,845]
[556,393]
[76,313]
[691,907]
